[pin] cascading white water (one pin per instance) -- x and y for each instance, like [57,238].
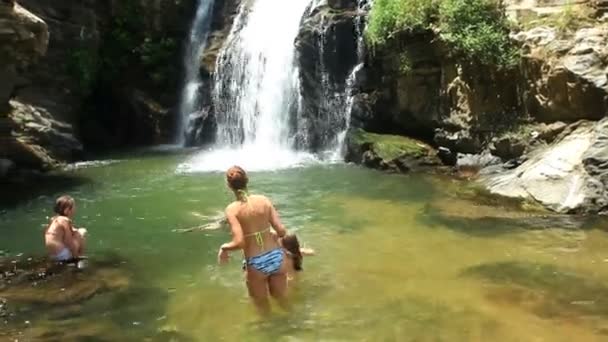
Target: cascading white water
[196,44]
[256,78]
[256,87]
[340,148]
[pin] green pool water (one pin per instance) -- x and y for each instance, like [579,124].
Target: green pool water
[400,258]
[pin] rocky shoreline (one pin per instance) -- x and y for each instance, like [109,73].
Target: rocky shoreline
[533,133]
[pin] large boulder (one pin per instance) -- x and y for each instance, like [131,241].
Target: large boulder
[40,140]
[565,77]
[567,176]
[23,40]
[389,152]
[59,82]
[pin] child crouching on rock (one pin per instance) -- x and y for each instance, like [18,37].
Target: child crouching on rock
[63,241]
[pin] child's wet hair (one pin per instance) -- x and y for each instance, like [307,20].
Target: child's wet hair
[63,204]
[291,243]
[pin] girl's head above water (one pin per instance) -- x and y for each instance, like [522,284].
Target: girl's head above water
[292,245]
[64,206]
[237,179]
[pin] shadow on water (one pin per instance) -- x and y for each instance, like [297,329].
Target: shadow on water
[17,191]
[482,220]
[99,303]
[545,290]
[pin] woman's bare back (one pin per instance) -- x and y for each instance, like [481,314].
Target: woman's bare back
[255,216]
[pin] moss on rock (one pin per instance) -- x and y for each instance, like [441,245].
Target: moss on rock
[386,151]
[389,147]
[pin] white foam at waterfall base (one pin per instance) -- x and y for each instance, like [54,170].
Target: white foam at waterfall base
[251,158]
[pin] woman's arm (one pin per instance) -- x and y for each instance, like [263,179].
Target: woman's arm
[275,221]
[307,251]
[237,232]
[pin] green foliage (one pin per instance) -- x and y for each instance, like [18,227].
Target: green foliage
[478,29]
[392,16]
[118,49]
[129,48]
[475,29]
[155,55]
[390,147]
[571,19]
[83,66]
[405,64]
[154,52]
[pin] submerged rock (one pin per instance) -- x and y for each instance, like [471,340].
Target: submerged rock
[42,283]
[488,215]
[548,291]
[568,176]
[409,318]
[565,78]
[389,152]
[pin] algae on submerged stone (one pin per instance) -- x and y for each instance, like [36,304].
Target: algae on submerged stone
[389,152]
[389,147]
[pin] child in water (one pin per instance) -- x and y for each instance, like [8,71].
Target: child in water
[63,241]
[295,253]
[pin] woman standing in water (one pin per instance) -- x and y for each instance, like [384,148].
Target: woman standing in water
[250,219]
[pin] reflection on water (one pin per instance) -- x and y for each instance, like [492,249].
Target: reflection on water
[400,258]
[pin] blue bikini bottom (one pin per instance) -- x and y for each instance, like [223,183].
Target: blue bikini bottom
[269,262]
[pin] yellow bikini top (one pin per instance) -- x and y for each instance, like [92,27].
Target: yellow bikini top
[259,238]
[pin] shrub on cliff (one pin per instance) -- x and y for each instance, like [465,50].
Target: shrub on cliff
[389,17]
[478,29]
[474,29]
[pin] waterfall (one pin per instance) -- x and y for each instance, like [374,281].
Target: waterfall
[350,88]
[256,89]
[257,80]
[339,150]
[190,101]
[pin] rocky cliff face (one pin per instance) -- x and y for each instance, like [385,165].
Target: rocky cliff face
[461,105]
[136,74]
[24,39]
[102,73]
[526,117]
[326,54]
[567,176]
[202,124]
[565,77]
[453,103]
[28,136]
